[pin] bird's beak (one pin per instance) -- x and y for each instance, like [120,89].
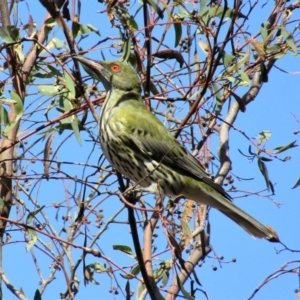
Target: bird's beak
[92,67]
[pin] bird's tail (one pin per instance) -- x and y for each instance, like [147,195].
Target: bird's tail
[248,223]
[209,196]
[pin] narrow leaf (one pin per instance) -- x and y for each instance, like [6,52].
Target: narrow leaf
[125,249]
[286,147]
[289,39]
[37,295]
[264,136]
[32,214]
[184,292]
[227,59]
[49,90]
[296,184]
[4,119]
[265,158]
[186,230]
[94,29]
[33,240]
[47,151]
[238,100]
[264,28]
[140,290]
[263,169]
[50,8]
[156,8]
[18,105]
[70,83]
[127,290]
[73,119]
[203,8]
[178,33]
[170,54]
[5,37]
[165,278]
[218,11]
[133,24]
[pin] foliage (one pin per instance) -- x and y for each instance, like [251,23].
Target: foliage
[200,66]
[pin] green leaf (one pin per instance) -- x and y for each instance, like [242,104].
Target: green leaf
[153,88]
[184,292]
[165,278]
[244,77]
[54,43]
[4,119]
[98,268]
[8,101]
[126,49]
[102,55]
[264,136]
[33,240]
[133,24]
[69,83]
[127,276]
[18,105]
[250,151]
[32,214]
[227,59]
[182,13]
[19,50]
[186,229]
[203,8]
[264,28]
[264,171]
[218,11]
[242,80]
[239,100]
[22,292]
[219,102]
[195,273]
[264,158]
[178,33]
[127,290]
[83,29]
[134,271]
[177,249]
[54,71]
[272,49]
[289,39]
[140,290]
[43,75]
[286,147]
[156,8]
[296,184]
[50,8]
[93,29]
[5,36]
[67,105]
[37,295]
[49,90]
[125,249]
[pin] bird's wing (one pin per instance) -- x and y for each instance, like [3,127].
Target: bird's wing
[150,136]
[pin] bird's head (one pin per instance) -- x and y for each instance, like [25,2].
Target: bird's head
[113,74]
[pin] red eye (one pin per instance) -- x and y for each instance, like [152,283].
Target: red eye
[115,68]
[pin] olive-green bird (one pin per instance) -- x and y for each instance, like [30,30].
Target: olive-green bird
[138,145]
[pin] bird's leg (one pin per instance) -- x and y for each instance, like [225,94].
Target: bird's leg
[133,195]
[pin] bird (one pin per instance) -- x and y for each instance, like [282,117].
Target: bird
[139,146]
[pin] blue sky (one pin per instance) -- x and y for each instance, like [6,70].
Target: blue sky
[256,259]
